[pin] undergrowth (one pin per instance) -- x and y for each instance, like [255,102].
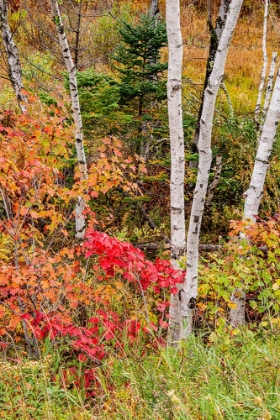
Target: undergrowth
[236,376]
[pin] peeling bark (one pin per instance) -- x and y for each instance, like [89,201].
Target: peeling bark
[71,68]
[189,291]
[174,94]
[14,66]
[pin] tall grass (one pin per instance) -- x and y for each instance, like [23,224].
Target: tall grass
[228,378]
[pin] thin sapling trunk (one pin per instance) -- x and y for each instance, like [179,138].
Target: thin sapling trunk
[71,68]
[14,65]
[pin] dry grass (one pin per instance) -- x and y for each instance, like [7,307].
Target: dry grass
[244,63]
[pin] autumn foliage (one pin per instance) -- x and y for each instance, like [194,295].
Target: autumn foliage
[51,287]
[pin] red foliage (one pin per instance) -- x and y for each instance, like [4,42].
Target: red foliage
[116,256]
[44,283]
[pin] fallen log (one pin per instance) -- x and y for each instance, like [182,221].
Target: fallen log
[153,246]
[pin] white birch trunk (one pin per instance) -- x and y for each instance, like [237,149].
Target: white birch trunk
[189,291]
[264,67]
[270,81]
[71,68]
[14,66]
[220,24]
[154,8]
[174,94]
[215,36]
[254,194]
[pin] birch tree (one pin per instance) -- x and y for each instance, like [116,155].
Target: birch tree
[154,10]
[189,292]
[215,36]
[71,69]
[14,66]
[269,86]
[174,94]
[254,194]
[264,67]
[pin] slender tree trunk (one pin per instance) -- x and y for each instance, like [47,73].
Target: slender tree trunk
[215,36]
[144,129]
[270,81]
[14,66]
[174,94]
[264,67]
[154,10]
[78,33]
[215,182]
[71,68]
[254,194]
[189,291]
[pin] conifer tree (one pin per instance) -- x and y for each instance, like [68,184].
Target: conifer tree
[138,62]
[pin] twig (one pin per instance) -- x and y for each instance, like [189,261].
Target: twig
[215,181]
[151,222]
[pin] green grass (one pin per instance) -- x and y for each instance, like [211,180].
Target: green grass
[236,379]
[28,390]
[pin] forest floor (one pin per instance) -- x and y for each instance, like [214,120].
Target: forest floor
[232,377]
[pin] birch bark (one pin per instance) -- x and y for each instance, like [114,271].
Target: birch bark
[215,36]
[71,68]
[190,288]
[14,66]
[270,81]
[154,10]
[174,94]
[254,194]
[264,67]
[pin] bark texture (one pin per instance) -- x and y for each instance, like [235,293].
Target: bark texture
[270,81]
[14,66]
[71,69]
[264,67]
[154,10]
[174,94]
[78,34]
[189,291]
[215,36]
[254,194]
